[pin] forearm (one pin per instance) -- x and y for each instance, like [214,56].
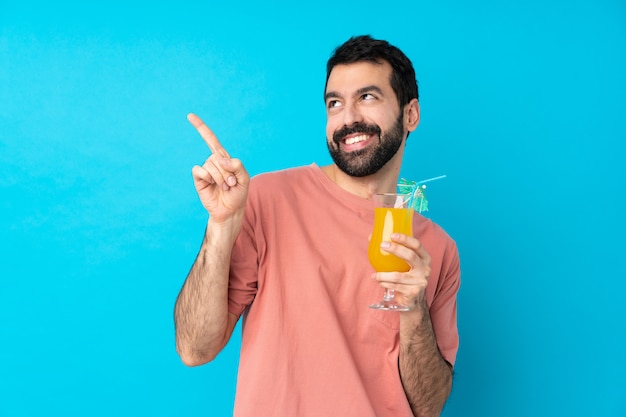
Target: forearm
[426,376]
[201,312]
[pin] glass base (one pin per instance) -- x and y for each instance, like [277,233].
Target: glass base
[389,305]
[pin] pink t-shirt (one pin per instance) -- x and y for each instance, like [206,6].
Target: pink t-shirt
[301,277]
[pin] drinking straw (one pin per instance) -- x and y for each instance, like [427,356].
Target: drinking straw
[417,200]
[431,179]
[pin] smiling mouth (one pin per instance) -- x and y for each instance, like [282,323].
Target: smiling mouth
[358,132]
[355,139]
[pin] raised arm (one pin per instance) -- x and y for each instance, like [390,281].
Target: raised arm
[203,323]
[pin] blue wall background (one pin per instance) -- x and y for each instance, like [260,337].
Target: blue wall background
[523,108]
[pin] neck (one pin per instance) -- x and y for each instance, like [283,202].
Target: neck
[383,181]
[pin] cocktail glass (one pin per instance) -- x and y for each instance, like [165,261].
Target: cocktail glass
[392,214]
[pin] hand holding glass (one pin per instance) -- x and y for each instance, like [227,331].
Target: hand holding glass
[392,214]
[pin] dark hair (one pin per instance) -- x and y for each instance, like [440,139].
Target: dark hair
[365,48]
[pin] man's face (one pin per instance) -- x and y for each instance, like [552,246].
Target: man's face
[365,126]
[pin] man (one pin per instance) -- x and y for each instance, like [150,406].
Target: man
[288,251]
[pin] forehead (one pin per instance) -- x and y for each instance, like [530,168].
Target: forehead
[347,78]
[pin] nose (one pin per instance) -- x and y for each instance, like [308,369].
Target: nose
[351,114]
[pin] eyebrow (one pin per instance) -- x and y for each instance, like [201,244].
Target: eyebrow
[362,90]
[369,88]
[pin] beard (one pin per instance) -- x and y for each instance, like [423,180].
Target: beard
[370,160]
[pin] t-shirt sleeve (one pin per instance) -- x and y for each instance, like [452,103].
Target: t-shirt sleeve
[443,310]
[242,284]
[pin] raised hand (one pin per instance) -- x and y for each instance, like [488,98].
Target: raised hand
[221,182]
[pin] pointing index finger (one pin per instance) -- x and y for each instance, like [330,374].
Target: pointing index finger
[207,134]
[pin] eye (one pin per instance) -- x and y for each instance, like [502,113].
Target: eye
[368,96]
[333,104]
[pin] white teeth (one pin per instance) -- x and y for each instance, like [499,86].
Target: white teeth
[356,139]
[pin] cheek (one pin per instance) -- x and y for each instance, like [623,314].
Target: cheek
[331,128]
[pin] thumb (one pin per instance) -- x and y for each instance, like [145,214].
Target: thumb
[238,174]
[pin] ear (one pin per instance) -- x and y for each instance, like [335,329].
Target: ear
[412,115]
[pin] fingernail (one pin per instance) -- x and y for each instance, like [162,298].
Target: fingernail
[232,180]
[385,244]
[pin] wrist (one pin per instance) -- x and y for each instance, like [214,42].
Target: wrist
[414,320]
[225,231]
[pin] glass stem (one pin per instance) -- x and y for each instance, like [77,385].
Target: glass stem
[389,294]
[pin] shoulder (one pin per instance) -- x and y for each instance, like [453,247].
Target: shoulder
[281,186]
[431,232]
[282,177]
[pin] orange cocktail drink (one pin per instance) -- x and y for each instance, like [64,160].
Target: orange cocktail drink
[393,213]
[389,220]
